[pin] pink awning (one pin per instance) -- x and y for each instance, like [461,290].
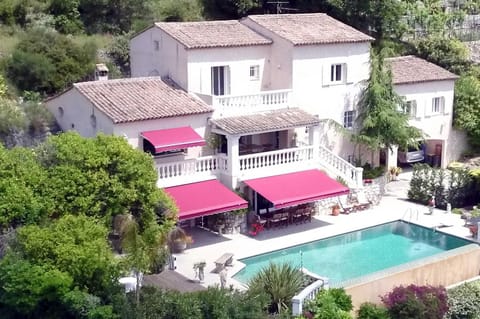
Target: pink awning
[173,138]
[297,188]
[204,198]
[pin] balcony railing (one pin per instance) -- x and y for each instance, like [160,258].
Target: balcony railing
[228,105]
[190,171]
[337,165]
[275,162]
[258,165]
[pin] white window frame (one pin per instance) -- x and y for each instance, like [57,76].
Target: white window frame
[220,79]
[254,72]
[410,108]
[438,105]
[349,119]
[337,73]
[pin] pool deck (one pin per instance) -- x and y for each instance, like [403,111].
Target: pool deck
[209,246]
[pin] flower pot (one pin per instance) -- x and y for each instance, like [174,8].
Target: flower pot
[179,246]
[335,211]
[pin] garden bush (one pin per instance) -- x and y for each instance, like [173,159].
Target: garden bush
[463,302]
[456,187]
[331,303]
[416,302]
[369,310]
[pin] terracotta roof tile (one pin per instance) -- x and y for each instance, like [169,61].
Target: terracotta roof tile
[266,121]
[138,99]
[310,28]
[412,69]
[211,34]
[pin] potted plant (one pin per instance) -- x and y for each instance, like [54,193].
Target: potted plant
[335,210]
[178,240]
[394,172]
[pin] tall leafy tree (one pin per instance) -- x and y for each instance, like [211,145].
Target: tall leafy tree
[467,107]
[47,62]
[381,122]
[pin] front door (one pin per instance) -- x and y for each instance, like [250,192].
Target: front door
[220,80]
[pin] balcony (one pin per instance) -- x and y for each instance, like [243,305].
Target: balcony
[232,105]
[257,165]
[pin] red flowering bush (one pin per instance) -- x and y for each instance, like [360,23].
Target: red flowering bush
[416,302]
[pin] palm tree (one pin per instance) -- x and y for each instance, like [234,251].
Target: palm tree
[280,281]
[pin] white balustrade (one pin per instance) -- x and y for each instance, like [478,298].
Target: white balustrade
[308,293]
[289,156]
[251,103]
[197,169]
[353,175]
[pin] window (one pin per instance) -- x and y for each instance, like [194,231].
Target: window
[60,111]
[156,45]
[254,72]
[220,80]
[438,105]
[410,108]
[348,119]
[336,72]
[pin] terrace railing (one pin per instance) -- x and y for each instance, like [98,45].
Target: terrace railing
[337,165]
[273,162]
[231,105]
[308,293]
[188,171]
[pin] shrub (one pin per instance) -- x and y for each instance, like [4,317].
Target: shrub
[416,302]
[463,302]
[331,303]
[369,310]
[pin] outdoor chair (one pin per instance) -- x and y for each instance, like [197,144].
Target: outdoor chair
[362,202]
[345,206]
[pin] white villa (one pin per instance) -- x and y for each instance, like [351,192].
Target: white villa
[225,105]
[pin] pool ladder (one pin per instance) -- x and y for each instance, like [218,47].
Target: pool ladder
[411,212]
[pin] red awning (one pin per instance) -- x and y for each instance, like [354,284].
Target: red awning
[297,188]
[173,138]
[204,198]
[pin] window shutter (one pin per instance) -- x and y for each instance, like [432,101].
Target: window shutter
[414,112]
[444,109]
[227,80]
[326,74]
[349,73]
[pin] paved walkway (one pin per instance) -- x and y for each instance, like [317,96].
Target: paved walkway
[209,246]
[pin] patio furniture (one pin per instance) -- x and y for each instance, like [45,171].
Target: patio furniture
[345,205]
[224,260]
[296,215]
[362,202]
[307,214]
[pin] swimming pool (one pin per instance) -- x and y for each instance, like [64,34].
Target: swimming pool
[358,253]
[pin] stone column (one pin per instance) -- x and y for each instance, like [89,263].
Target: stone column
[233,162]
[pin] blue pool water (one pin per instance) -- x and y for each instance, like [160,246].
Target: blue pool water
[358,253]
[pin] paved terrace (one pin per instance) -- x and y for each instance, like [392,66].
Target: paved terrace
[209,246]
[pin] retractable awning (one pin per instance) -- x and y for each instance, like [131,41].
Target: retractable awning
[173,138]
[204,198]
[297,188]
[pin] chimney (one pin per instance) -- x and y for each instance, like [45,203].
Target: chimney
[101,72]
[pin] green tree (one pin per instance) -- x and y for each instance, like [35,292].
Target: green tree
[119,52]
[448,53]
[28,290]
[381,123]
[47,62]
[176,10]
[467,107]
[280,282]
[12,119]
[75,245]
[331,303]
[103,177]
[229,9]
